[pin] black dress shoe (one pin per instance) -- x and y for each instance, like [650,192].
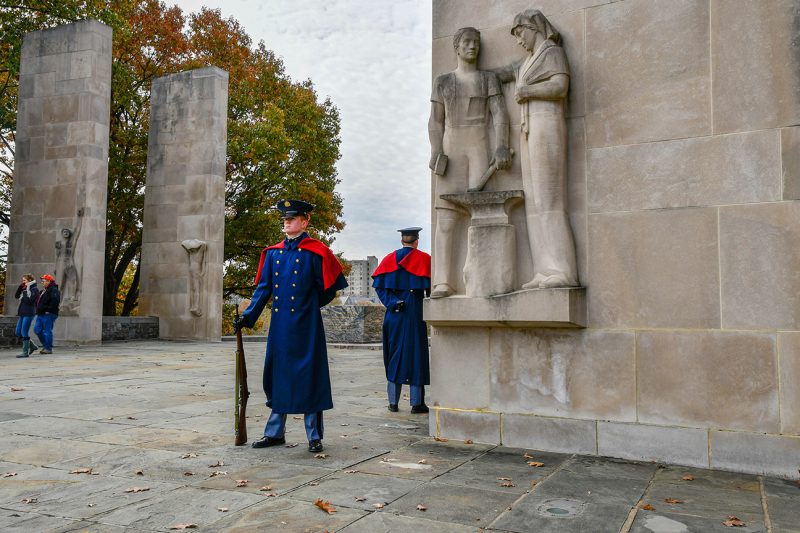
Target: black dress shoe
[315,446]
[421,408]
[393,407]
[266,442]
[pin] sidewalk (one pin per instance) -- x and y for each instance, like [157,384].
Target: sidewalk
[154,423]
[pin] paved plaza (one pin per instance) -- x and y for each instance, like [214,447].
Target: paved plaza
[137,437]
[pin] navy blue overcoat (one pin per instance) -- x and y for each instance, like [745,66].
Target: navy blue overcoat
[296,376]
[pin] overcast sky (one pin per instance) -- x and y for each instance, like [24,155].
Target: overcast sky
[373,59]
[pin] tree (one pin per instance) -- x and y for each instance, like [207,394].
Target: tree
[282,141]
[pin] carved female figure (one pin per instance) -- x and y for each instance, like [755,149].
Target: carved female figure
[542,82]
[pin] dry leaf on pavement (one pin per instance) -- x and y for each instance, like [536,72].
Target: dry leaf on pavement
[507,484]
[17,389]
[360,499]
[216,473]
[139,473]
[325,506]
[187,473]
[379,505]
[468,441]
[9,474]
[421,507]
[688,477]
[440,439]
[242,482]
[504,479]
[266,488]
[137,489]
[527,456]
[732,521]
[672,500]
[351,471]
[297,417]
[536,464]
[188,455]
[183,526]
[222,509]
[30,500]
[321,456]
[217,464]
[81,471]
[293,445]
[648,507]
[313,483]
[422,462]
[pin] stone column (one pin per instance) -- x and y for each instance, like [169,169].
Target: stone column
[184,207]
[58,208]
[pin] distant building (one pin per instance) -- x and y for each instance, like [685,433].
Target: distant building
[360,278]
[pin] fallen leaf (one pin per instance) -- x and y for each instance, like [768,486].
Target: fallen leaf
[422,462]
[325,506]
[131,418]
[17,389]
[266,488]
[9,474]
[527,456]
[355,447]
[183,526]
[188,455]
[216,473]
[297,417]
[293,445]
[379,505]
[440,439]
[313,483]
[688,477]
[672,500]
[360,499]
[536,464]
[30,500]
[242,482]
[91,505]
[137,489]
[507,484]
[188,473]
[351,471]
[504,478]
[217,464]
[732,521]
[139,473]
[421,507]
[222,509]
[468,441]
[271,495]
[648,507]
[321,456]
[344,435]
[81,471]
[344,424]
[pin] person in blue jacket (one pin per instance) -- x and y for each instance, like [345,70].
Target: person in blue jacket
[402,280]
[300,275]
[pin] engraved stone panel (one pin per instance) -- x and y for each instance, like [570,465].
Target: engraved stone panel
[726,380]
[729,169]
[647,72]
[184,204]
[759,258]
[756,67]
[578,373]
[654,269]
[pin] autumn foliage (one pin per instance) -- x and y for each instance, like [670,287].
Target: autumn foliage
[282,140]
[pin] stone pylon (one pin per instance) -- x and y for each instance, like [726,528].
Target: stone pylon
[184,212]
[58,209]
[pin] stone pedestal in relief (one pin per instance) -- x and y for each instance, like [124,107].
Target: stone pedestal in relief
[58,214]
[184,219]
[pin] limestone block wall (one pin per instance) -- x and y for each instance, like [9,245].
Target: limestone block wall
[61,170]
[184,220]
[353,323]
[684,176]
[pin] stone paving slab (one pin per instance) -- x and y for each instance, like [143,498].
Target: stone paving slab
[147,413]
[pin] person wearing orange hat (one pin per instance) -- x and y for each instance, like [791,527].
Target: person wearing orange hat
[47,312]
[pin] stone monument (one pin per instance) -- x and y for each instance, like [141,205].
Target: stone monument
[184,212]
[58,213]
[677,124]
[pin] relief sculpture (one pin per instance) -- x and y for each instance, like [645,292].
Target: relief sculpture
[196,250]
[67,271]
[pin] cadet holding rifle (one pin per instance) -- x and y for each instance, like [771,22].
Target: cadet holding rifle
[301,275]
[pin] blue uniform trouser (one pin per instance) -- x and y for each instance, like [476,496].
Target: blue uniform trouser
[276,425]
[43,327]
[24,327]
[417,393]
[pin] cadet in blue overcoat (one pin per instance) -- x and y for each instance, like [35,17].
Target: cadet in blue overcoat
[301,275]
[402,280]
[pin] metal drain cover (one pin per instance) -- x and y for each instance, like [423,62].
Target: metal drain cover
[560,508]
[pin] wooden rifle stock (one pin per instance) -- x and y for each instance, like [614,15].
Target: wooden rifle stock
[242,393]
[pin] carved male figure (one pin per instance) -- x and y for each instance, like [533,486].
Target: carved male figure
[542,82]
[65,265]
[197,255]
[461,102]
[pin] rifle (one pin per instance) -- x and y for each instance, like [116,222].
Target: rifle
[239,416]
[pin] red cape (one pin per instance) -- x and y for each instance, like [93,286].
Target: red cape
[416,262]
[331,268]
